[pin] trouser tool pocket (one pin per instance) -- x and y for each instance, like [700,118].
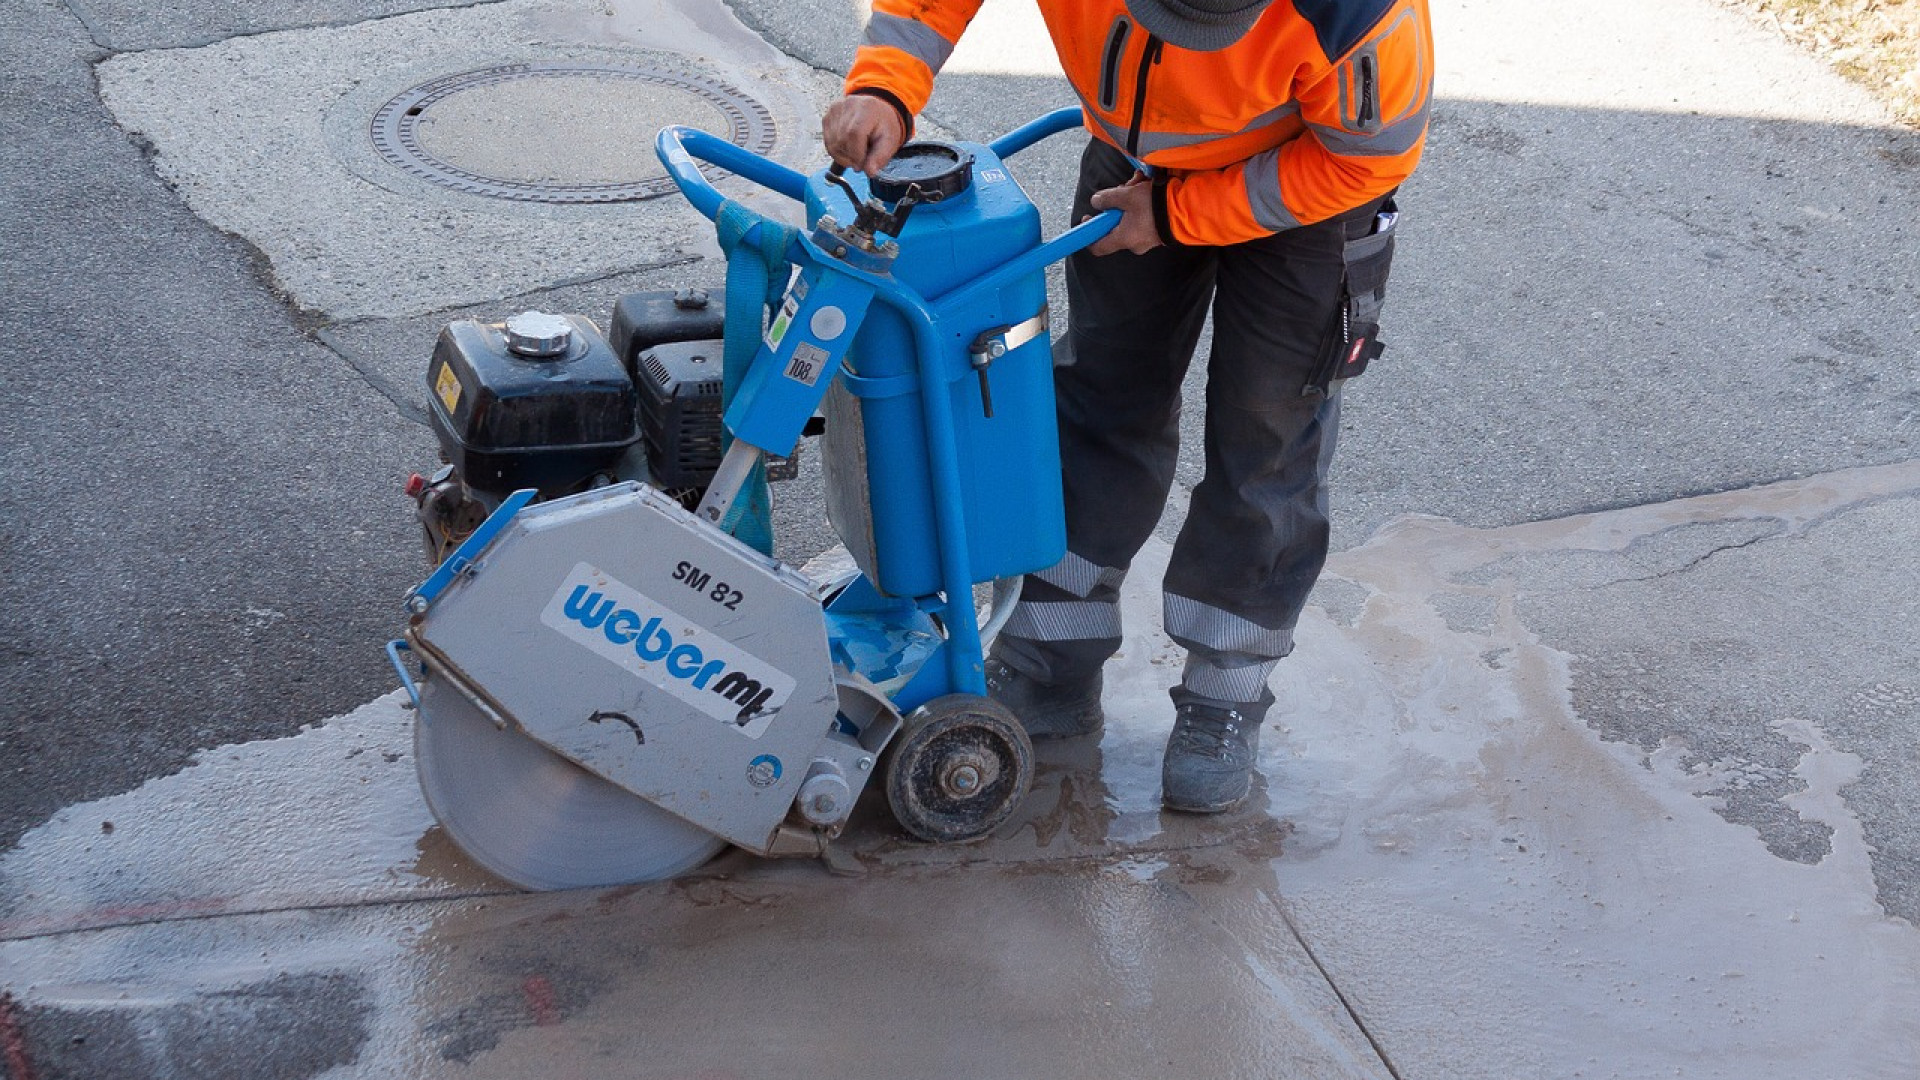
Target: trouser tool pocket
[1355,342]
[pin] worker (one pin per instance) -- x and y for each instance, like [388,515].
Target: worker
[1253,149]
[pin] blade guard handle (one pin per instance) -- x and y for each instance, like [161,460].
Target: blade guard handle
[394,649]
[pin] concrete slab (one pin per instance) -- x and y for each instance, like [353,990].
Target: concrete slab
[180,929]
[1456,868]
[267,137]
[1523,842]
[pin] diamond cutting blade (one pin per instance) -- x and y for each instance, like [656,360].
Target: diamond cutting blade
[535,818]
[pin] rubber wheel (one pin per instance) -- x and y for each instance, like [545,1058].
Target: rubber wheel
[959,770]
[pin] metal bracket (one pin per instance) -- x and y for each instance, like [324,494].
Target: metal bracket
[994,343]
[462,560]
[1001,340]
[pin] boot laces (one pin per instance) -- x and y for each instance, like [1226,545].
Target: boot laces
[1214,733]
[1001,675]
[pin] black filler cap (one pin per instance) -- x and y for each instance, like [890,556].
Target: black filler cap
[940,170]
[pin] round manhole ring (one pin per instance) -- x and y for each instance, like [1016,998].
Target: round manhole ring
[396,134]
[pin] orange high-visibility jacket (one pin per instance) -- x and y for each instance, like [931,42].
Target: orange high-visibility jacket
[1320,108]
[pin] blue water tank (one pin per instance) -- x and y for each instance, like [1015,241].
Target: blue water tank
[879,485]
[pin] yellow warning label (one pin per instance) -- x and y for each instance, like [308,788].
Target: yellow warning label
[447,385]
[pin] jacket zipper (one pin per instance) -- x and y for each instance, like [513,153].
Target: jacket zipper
[1369,108]
[1110,67]
[1149,56]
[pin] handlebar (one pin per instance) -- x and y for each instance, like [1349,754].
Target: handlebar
[1033,131]
[677,147]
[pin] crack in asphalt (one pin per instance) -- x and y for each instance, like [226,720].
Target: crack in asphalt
[409,408]
[102,40]
[1696,562]
[93,30]
[403,403]
[1805,527]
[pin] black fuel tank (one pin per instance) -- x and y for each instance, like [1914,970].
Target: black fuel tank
[642,320]
[537,401]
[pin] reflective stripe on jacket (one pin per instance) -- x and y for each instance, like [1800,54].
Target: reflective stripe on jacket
[1320,108]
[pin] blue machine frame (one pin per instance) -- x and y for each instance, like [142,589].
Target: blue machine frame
[961,669]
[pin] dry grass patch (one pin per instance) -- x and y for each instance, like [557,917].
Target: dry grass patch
[1874,42]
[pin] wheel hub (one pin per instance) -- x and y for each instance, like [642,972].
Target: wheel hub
[966,775]
[959,770]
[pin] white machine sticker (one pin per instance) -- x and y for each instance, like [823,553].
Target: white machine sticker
[668,650]
[809,360]
[828,323]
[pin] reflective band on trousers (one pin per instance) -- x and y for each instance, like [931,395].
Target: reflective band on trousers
[1080,577]
[1222,631]
[1072,620]
[916,39]
[1241,684]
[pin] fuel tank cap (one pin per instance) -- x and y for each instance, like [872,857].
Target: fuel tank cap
[539,335]
[940,170]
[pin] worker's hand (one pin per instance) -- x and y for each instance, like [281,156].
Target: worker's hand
[1136,232]
[862,132]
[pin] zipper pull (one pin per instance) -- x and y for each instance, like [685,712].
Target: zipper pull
[1149,56]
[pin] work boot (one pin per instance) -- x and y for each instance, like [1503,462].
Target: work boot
[1047,710]
[1209,763]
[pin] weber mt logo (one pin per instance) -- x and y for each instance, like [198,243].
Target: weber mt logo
[668,650]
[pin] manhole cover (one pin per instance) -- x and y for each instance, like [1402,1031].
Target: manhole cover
[558,133]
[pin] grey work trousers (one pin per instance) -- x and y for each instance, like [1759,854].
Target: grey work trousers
[1256,532]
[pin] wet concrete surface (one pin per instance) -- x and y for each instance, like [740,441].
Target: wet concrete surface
[1594,902]
[1454,867]
[1091,936]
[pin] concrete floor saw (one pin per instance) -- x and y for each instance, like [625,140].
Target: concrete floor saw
[613,676]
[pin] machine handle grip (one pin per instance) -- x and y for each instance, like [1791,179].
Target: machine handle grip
[1083,235]
[677,147]
[1088,233]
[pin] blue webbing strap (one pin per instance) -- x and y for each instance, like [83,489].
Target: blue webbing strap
[756,248]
